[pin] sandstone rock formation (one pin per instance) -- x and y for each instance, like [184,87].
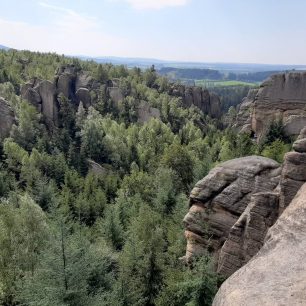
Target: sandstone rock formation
[77,86]
[44,94]
[244,118]
[247,235]
[7,119]
[208,102]
[145,112]
[217,202]
[277,274]
[281,98]
[294,171]
[232,210]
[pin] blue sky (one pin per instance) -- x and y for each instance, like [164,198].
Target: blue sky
[250,31]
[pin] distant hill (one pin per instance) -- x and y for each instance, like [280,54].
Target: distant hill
[221,67]
[4,47]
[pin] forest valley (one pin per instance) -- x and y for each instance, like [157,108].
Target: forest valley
[92,206]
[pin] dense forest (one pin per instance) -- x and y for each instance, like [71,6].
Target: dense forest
[72,235]
[212,74]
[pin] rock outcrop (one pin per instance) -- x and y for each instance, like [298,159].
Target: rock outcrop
[208,102]
[294,171]
[232,215]
[44,94]
[145,112]
[227,201]
[277,274]
[281,98]
[7,119]
[247,235]
[78,86]
[245,109]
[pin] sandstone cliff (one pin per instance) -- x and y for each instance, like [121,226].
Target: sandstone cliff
[208,102]
[277,274]
[281,98]
[77,86]
[232,210]
[216,203]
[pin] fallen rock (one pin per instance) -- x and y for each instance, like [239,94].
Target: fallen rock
[276,275]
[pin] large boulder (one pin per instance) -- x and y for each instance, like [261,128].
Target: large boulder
[218,200]
[7,119]
[277,274]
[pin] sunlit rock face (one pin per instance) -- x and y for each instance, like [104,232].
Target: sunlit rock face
[281,98]
[277,274]
[225,205]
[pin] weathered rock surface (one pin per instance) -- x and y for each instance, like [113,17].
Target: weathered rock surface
[44,95]
[208,102]
[294,171]
[115,94]
[218,200]
[145,112]
[245,109]
[7,119]
[83,95]
[277,274]
[49,103]
[281,98]
[247,235]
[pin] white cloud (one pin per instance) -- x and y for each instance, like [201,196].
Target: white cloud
[155,4]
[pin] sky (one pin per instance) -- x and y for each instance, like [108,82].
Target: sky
[241,31]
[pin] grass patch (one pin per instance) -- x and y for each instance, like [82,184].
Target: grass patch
[212,83]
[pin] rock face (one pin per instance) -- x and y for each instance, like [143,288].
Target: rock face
[294,171]
[281,98]
[277,274]
[247,235]
[208,102]
[244,118]
[77,86]
[44,95]
[145,112]
[7,119]
[245,214]
[227,201]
